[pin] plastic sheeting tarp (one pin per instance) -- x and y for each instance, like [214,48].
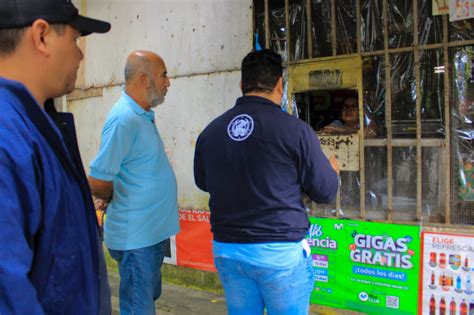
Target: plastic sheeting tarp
[462,112]
[405,89]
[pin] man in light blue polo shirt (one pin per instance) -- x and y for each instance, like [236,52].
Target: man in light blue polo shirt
[133,174]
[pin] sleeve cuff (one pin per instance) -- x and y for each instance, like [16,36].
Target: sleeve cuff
[99,175]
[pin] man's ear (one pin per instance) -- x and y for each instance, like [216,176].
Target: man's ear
[41,30]
[279,86]
[240,85]
[143,79]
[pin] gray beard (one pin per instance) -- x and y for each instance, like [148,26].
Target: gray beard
[157,101]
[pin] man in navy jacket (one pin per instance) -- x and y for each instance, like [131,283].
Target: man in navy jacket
[256,162]
[51,259]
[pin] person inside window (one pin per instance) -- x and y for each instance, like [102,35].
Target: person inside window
[349,122]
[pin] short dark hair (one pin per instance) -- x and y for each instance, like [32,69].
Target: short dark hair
[261,71]
[10,37]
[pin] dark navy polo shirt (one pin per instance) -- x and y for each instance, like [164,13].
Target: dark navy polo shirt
[256,161]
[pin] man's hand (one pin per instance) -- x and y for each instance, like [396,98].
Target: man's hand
[334,164]
[100,204]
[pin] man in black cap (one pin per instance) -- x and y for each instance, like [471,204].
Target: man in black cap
[51,259]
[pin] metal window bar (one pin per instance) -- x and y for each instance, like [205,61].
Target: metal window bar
[419,163]
[309,23]
[267,24]
[421,47]
[333,28]
[358,38]
[287,27]
[361,118]
[388,114]
[361,154]
[447,192]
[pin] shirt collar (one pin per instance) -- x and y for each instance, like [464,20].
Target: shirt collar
[254,99]
[137,108]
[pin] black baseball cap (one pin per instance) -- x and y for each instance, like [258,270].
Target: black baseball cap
[22,13]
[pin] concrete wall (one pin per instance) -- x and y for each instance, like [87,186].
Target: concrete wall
[202,43]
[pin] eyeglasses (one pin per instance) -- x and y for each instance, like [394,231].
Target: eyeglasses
[349,108]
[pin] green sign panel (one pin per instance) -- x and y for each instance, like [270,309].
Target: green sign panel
[365,266]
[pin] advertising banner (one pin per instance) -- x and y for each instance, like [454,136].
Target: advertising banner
[365,266]
[440,7]
[447,274]
[461,10]
[194,241]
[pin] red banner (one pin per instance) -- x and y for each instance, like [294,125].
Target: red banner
[194,241]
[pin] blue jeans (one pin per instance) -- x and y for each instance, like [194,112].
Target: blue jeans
[140,278]
[248,289]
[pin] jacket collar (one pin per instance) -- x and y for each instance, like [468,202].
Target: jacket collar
[27,105]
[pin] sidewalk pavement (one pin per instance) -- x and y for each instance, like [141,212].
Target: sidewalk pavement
[177,300]
[181,300]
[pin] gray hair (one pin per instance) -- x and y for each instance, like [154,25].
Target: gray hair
[135,66]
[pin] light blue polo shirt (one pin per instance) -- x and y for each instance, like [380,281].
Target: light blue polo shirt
[144,208]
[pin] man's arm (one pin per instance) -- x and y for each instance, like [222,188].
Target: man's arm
[199,173]
[19,224]
[319,177]
[100,188]
[116,143]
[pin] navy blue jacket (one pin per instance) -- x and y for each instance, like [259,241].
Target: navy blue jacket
[51,260]
[256,161]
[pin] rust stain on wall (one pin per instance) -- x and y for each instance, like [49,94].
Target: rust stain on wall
[78,94]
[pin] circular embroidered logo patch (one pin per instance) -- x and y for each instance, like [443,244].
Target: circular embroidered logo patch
[240,128]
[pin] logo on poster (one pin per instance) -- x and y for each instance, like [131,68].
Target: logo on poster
[363,296]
